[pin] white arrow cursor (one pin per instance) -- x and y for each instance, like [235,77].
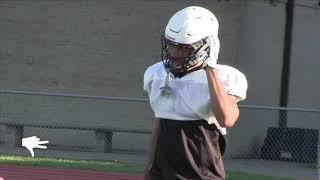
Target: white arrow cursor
[33,142]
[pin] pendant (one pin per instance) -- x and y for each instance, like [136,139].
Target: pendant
[166,91]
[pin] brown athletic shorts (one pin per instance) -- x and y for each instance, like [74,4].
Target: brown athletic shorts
[188,150]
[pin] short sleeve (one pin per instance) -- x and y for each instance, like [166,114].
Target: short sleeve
[234,81]
[238,85]
[147,80]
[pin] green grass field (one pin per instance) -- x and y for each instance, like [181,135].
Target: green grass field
[108,166]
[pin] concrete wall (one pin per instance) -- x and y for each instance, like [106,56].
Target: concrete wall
[260,54]
[260,49]
[94,47]
[304,75]
[91,47]
[100,47]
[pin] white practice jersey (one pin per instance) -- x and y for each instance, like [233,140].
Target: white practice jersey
[190,98]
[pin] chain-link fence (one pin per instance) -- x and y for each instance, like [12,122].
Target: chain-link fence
[289,134]
[275,141]
[285,137]
[73,122]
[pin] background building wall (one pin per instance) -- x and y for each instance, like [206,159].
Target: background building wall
[91,47]
[96,47]
[304,75]
[102,48]
[259,56]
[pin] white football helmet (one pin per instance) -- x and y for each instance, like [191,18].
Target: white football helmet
[194,28]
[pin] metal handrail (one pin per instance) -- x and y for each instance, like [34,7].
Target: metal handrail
[146,100]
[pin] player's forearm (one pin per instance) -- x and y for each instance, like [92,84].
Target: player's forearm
[223,105]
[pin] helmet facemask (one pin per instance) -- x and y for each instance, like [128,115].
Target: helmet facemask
[186,57]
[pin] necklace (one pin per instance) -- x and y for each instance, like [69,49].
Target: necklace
[166,90]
